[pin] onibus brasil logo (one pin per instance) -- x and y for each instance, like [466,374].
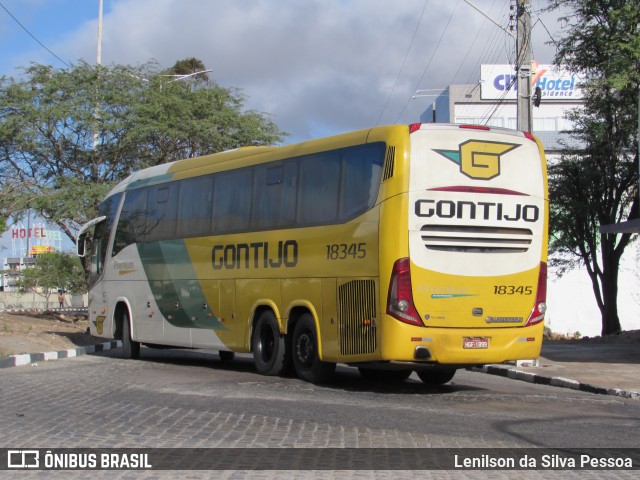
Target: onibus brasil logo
[477,159]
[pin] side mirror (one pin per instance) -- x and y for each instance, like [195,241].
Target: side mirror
[80,244]
[81,241]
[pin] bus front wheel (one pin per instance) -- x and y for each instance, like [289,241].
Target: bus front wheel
[130,349]
[269,347]
[305,353]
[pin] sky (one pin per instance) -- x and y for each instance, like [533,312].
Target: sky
[316,67]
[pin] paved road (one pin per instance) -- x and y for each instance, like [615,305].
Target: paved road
[191,399]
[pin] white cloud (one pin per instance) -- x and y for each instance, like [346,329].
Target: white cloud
[317,66]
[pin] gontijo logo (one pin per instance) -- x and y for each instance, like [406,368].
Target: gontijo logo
[477,159]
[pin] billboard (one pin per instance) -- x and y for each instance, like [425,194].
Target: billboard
[499,82]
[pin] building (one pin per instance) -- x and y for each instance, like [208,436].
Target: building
[27,243]
[492,101]
[12,269]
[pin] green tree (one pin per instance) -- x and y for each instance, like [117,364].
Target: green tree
[55,271]
[67,135]
[595,182]
[177,121]
[189,66]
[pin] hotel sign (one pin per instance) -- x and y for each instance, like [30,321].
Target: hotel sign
[499,82]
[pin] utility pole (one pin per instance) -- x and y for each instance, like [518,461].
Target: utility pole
[98,62]
[523,65]
[99,48]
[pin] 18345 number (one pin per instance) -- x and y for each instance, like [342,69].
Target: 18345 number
[512,290]
[342,251]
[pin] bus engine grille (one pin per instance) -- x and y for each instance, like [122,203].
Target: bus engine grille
[357,317]
[460,238]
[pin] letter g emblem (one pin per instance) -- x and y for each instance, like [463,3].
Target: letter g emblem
[477,159]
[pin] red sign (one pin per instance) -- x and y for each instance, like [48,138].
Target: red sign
[28,233]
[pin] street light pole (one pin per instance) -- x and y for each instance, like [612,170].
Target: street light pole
[425,93]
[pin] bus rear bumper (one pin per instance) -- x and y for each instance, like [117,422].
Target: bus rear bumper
[460,346]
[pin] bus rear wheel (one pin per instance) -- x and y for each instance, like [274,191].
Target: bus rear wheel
[270,352]
[436,376]
[130,349]
[306,362]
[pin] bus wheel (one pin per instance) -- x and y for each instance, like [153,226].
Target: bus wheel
[226,355]
[269,347]
[436,376]
[130,349]
[305,353]
[387,376]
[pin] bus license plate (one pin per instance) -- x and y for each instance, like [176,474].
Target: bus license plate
[475,342]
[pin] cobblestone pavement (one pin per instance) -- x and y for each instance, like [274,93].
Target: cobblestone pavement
[186,400]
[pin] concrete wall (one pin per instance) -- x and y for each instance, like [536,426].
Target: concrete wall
[36,301]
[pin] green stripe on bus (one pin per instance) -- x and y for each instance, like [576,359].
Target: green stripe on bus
[174,285]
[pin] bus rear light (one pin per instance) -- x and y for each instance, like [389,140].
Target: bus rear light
[400,299]
[414,127]
[475,127]
[540,305]
[472,189]
[529,135]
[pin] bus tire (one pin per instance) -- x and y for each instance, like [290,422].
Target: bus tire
[130,348]
[436,376]
[269,347]
[386,376]
[307,365]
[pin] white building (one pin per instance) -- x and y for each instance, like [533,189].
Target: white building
[27,242]
[492,101]
[12,269]
[572,306]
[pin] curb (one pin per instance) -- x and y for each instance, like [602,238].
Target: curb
[514,373]
[30,358]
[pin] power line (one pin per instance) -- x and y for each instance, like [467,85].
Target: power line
[403,62]
[489,54]
[471,45]
[431,58]
[33,36]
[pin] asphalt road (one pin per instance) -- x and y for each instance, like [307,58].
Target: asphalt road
[189,399]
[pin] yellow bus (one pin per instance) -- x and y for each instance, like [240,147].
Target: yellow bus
[393,249]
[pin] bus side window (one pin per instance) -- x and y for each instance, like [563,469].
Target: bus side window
[319,188]
[361,174]
[97,240]
[195,206]
[162,208]
[132,225]
[274,195]
[232,201]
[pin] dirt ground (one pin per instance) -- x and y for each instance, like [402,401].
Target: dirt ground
[43,332]
[51,331]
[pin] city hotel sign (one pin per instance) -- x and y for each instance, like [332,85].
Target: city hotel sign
[498,82]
